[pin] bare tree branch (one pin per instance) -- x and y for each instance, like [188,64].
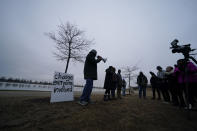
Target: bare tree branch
[129,72]
[71,43]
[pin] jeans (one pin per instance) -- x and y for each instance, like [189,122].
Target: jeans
[87,90]
[123,91]
[142,89]
[119,93]
[113,93]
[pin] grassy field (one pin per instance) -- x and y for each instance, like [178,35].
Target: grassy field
[128,114]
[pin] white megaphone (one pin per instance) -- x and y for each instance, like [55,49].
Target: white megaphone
[103,59]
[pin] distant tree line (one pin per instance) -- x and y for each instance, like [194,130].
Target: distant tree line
[16,80]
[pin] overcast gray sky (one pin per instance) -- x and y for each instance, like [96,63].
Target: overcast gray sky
[126,32]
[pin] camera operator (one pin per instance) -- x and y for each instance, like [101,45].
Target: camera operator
[179,86]
[190,78]
[90,74]
[186,71]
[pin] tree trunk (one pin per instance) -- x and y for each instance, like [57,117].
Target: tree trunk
[67,64]
[129,80]
[68,60]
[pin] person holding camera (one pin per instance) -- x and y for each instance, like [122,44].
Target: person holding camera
[187,75]
[187,71]
[179,86]
[90,74]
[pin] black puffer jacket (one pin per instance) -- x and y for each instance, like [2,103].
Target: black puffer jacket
[108,79]
[154,81]
[142,80]
[90,67]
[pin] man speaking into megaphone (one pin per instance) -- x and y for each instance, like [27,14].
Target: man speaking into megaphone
[90,74]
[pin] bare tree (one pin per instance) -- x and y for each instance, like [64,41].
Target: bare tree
[70,43]
[129,72]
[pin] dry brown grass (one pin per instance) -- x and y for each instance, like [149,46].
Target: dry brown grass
[127,114]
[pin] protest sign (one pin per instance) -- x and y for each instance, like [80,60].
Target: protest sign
[62,87]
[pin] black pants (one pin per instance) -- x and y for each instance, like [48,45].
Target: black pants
[195,91]
[154,87]
[173,92]
[164,91]
[107,91]
[190,93]
[180,89]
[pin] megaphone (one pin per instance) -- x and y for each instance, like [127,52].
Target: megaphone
[103,59]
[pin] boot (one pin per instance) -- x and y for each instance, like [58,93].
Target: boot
[108,97]
[113,97]
[105,98]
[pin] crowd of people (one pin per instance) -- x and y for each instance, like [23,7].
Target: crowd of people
[112,83]
[176,85]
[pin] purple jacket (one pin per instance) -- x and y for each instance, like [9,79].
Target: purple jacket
[191,77]
[179,75]
[192,73]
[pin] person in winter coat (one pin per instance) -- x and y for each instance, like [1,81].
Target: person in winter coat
[154,85]
[171,84]
[188,77]
[90,74]
[142,83]
[114,83]
[124,84]
[162,84]
[108,83]
[179,86]
[119,84]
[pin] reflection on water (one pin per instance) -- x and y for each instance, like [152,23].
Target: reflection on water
[36,87]
[94,89]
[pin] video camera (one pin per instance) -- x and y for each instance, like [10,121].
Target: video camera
[184,49]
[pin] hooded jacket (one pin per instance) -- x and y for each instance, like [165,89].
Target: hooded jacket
[191,77]
[90,67]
